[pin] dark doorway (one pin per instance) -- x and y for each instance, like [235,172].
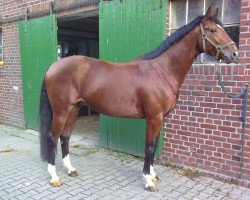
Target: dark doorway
[79,35]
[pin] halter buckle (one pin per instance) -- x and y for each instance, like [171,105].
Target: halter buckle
[218,48]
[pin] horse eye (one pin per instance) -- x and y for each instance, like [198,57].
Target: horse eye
[213,30]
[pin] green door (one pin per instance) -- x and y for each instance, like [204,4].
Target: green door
[38,46]
[128,29]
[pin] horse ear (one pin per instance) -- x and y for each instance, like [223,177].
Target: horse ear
[216,12]
[208,13]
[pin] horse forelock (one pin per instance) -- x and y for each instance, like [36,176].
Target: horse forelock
[177,36]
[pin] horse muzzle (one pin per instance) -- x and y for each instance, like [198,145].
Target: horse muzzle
[231,57]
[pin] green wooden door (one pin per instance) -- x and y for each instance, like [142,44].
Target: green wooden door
[38,47]
[128,29]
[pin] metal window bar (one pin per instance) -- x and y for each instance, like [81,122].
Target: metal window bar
[1,45]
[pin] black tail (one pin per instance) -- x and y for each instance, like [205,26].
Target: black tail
[45,122]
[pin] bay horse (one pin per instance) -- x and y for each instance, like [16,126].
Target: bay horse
[146,87]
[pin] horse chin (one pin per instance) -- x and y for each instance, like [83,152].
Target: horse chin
[227,60]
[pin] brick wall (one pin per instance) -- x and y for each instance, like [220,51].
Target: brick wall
[11,111]
[205,130]
[11,104]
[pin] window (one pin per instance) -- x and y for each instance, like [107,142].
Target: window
[1,45]
[184,11]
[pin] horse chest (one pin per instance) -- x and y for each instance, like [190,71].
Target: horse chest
[168,99]
[170,103]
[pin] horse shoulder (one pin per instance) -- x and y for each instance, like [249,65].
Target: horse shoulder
[159,90]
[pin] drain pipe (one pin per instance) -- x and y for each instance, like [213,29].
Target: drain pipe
[243,137]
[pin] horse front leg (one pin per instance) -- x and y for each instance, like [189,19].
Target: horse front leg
[152,135]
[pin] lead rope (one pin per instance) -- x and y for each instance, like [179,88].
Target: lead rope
[244,93]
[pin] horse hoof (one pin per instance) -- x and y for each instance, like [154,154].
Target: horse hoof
[155,179]
[73,173]
[151,188]
[56,183]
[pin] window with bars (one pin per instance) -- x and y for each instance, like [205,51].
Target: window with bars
[184,11]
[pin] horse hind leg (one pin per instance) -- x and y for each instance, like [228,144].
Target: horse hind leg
[65,137]
[58,122]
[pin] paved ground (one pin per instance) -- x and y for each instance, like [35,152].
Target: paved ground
[103,174]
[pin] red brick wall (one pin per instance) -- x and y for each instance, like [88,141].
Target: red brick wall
[11,111]
[205,130]
[11,104]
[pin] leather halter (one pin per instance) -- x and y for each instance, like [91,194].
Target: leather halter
[217,47]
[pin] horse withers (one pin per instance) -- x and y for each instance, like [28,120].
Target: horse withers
[146,87]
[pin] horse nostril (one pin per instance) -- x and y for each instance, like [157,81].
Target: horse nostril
[235,54]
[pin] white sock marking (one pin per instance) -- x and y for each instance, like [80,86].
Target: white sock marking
[67,164]
[152,172]
[52,172]
[148,179]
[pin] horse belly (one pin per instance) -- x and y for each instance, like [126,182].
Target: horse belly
[113,104]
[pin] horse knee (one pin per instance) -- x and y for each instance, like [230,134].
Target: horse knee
[149,156]
[150,149]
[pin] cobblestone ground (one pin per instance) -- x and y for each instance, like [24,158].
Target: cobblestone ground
[103,174]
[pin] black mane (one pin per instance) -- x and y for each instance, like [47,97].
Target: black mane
[177,36]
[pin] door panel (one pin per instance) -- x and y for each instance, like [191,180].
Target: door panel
[128,29]
[38,47]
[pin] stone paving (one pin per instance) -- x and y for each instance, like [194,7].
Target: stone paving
[104,174]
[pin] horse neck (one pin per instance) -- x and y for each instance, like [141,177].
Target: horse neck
[179,58]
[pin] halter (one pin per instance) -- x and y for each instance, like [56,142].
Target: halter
[217,47]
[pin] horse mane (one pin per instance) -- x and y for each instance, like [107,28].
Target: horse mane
[177,36]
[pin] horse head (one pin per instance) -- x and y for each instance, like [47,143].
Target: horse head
[215,41]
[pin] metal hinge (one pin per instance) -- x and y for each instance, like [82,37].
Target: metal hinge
[51,13]
[26,19]
[161,4]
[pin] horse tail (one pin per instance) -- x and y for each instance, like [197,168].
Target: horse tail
[45,122]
